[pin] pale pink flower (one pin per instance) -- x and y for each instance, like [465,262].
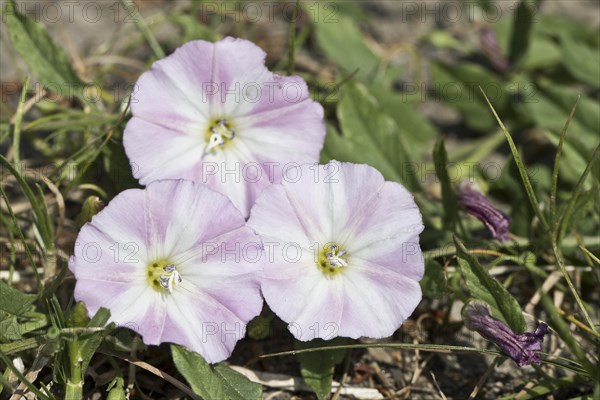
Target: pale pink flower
[174,262]
[213,113]
[343,251]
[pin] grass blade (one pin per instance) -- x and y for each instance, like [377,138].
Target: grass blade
[292,49]
[522,171]
[144,29]
[17,126]
[563,134]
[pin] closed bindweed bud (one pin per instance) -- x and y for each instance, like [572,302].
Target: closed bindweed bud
[116,390]
[477,205]
[78,317]
[523,348]
[91,206]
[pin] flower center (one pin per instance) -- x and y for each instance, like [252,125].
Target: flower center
[218,135]
[162,275]
[332,259]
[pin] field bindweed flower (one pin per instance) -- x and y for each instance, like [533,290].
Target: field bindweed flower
[174,262]
[480,207]
[523,348]
[343,251]
[213,113]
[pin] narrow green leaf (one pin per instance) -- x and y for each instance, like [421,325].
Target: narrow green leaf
[292,43]
[434,282]
[440,159]
[317,368]
[47,61]
[24,380]
[17,126]
[457,86]
[411,124]
[40,217]
[371,137]
[557,323]
[90,344]
[133,11]
[542,53]
[13,301]
[521,167]
[32,263]
[485,288]
[565,217]
[342,41]
[581,61]
[215,382]
[521,32]
[557,161]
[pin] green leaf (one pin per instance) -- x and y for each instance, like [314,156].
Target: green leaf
[192,29]
[485,288]
[588,109]
[40,217]
[47,61]
[542,53]
[521,167]
[434,282]
[581,60]
[555,26]
[572,162]
[440,159]
[370,137]
[9,330]
[317,367]
[521,32]
[341,40]
[259,327]
[552,109]
[90,344]
[215,382]
[411,124]
[13,301]
[458,87]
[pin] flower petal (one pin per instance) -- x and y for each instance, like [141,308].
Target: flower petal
[170,220]
[376,301]
[189,214]
[151,160]
[173,92]
[202,324]
[371,221]
[401,254]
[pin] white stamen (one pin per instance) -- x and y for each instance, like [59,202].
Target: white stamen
[336,260]
[170,278]
[219,133]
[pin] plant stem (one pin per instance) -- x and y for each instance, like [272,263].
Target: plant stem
[292,49]
[74,387]
[17,128]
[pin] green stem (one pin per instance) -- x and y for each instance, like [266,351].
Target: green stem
[18,122]
[74,391]
[561,266]
[567,214]
[521,167]
[74,387]
[292,49]
[557,162]
[144,29]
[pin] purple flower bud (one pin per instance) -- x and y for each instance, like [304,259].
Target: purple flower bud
[492,50]
[479,206]
[523,348]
